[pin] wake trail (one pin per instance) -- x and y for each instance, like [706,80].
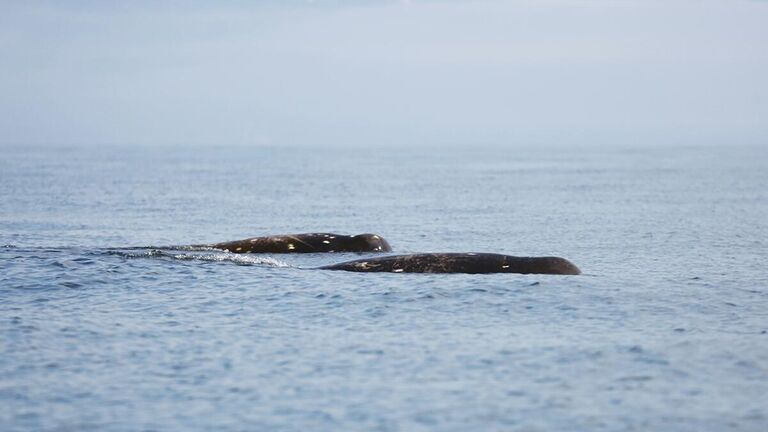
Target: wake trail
[216,255]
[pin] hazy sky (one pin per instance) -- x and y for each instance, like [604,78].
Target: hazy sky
[355,73]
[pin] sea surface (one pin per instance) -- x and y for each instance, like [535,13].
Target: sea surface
[106,326]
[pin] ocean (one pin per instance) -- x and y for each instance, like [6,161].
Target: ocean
[106,326]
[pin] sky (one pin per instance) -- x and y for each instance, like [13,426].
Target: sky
[383,73]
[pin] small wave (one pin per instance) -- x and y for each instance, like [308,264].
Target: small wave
[197,248]
[8,246]
[191,248]
[240,259]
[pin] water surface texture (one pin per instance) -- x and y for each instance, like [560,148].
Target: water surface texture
[102,327]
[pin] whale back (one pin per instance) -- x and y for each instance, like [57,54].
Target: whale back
[307,243]
[473,263]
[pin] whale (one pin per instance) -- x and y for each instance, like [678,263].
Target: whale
[305,243]
[473,263]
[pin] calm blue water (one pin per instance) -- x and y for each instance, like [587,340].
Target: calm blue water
[667,329]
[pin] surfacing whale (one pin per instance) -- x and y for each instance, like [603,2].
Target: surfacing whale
[305,243]
[459,263]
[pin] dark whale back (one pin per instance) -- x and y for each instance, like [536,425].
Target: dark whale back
[306,243]
[459,263]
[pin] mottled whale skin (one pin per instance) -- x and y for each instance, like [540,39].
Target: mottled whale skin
[459,263]
[306,243]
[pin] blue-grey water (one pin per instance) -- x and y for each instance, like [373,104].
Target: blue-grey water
[667,329]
